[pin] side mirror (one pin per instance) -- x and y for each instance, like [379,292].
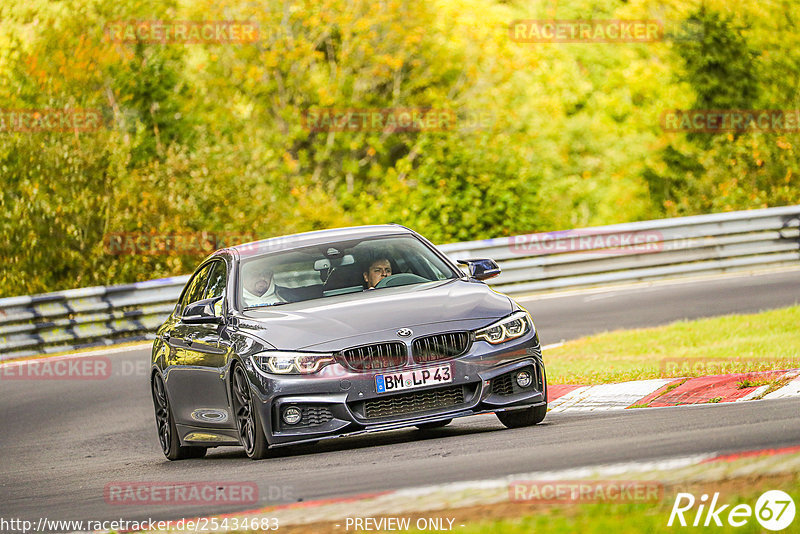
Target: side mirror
[202,312]
[481,269]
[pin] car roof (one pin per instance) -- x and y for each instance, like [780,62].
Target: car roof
[318,237]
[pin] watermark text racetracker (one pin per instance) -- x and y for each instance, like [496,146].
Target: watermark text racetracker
[181,493]
[603,31]
[88,367]
[721,366]
[189,243]
[576,491]
[182,31]
[177,243]
[50,120]
[586,31]
[585,241]
[378,119]
[201,524]
[731,120]
[391,120]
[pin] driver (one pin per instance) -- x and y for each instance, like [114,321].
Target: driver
[377,271]
[259,288]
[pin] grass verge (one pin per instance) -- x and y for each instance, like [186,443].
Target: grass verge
[634,518]
[597,517]
[763,341]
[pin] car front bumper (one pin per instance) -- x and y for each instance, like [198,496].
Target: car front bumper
[338,402]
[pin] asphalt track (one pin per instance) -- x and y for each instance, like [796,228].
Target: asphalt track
[62,442]
[571,316]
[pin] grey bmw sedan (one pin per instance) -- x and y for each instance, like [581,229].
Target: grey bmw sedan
[338,332]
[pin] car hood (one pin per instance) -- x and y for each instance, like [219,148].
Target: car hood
[333,323]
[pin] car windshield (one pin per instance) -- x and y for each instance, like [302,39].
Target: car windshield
[338,268]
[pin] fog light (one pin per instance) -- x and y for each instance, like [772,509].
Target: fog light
[292,415]
[524,379]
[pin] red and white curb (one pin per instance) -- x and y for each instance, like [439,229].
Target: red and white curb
[673,391]
[605,396]
[792,389]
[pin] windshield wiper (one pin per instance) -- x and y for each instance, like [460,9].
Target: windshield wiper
[264,305]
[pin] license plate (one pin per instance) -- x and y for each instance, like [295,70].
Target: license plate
[413,379]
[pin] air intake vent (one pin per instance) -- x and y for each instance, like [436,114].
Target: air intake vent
[503,385]
[315,415]
[421,401]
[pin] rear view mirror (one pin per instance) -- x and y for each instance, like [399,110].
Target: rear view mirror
[321,265]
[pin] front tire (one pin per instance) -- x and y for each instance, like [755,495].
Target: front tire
[521,418]
[248,423]
[165,423]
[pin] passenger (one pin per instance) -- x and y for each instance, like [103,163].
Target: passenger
[259,289]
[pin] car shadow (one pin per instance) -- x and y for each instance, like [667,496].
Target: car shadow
[377,439]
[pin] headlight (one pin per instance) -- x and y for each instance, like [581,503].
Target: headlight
[292,363]
[515,325]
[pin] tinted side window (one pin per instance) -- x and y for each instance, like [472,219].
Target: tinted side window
[196,287]
[216,282]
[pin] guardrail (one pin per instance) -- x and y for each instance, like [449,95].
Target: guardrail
[54,322]
[646,250]
[531,263]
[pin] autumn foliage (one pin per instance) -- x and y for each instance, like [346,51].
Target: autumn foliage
[211,136]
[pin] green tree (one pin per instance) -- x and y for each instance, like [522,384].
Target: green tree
[720,68]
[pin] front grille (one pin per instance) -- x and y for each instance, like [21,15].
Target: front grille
[315,415]
[420,401]
[440,347]
[378,356]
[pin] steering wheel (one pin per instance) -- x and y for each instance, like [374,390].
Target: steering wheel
[400,279]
